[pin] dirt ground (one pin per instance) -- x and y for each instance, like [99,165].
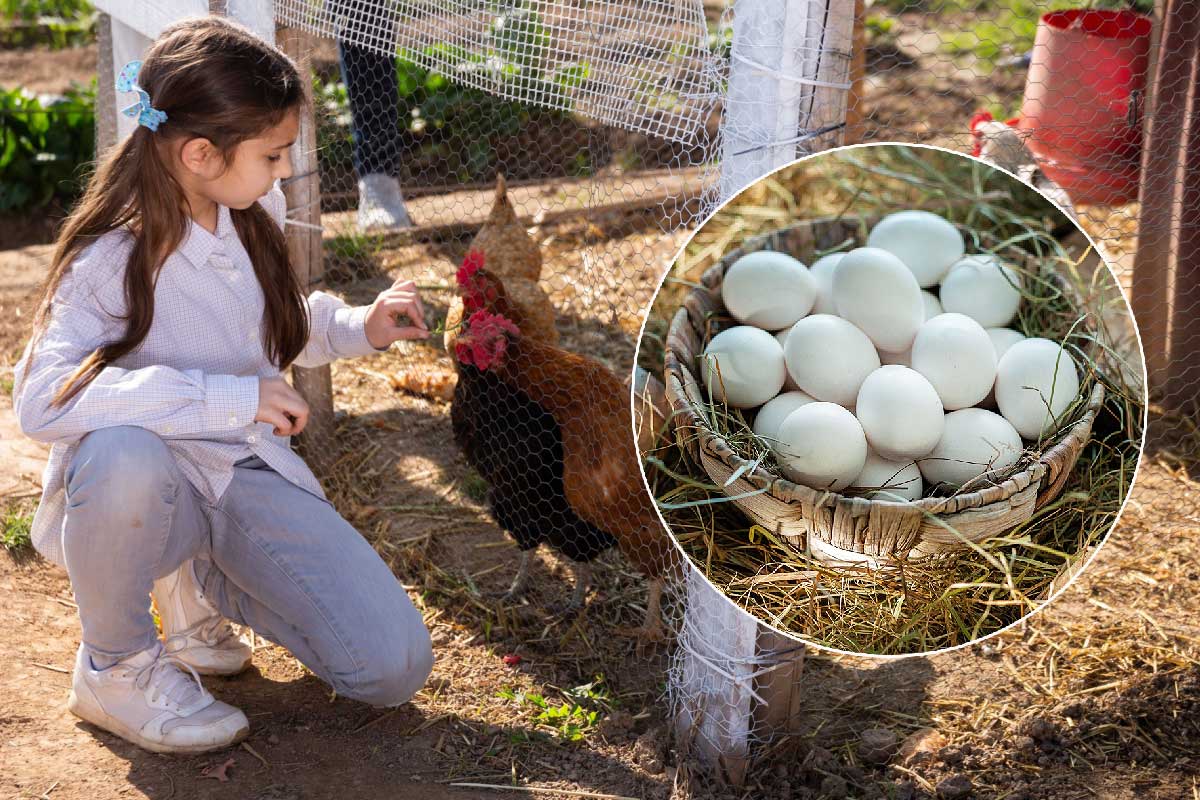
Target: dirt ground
[1096,696]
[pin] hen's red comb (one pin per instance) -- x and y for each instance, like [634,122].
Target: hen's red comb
[980,116]
[472,263]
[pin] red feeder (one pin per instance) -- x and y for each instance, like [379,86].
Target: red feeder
[1083,102]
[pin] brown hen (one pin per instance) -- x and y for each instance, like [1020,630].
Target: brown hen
[602,480]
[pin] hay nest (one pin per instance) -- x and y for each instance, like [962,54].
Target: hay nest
[842,527]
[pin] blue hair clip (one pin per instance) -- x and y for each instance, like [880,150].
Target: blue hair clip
[142,111]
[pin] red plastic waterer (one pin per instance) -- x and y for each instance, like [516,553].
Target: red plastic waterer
[1084,99]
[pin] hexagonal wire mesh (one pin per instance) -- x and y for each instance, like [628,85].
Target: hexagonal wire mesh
[619,124]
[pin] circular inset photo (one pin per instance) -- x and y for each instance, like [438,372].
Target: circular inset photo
[905,399]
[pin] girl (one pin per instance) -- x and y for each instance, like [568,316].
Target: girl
[169,312]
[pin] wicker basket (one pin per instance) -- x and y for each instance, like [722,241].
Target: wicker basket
[834,527]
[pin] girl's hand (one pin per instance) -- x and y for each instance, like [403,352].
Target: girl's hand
[397,305]
[282,406]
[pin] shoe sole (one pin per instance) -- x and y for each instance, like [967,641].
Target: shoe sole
[113,726]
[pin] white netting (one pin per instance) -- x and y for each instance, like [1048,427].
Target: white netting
[708,104]
[653,111]
[645,65]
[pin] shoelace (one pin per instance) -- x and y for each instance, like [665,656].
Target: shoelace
[211,631]
[170,683]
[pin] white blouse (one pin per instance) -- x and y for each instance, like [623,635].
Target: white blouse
[193,380]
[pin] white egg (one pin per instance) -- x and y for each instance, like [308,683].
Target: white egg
[829,358]
[789,385]
[975,441]
[984,288]
[743,366]
[774,412]
[1002,339]
[955,354]
[925,242]
[1035,383]
[822,270]
[933,306]
[767,289]
[821,445]
[874,290]
[896,480]
[900,412]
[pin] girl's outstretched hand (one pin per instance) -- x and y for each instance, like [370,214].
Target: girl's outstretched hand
[396,314]
[282,406]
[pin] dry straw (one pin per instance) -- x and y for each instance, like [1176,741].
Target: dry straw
[952,597]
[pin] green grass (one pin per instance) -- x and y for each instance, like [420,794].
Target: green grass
[988,40]
[991,29]
[15,535]
[354,246]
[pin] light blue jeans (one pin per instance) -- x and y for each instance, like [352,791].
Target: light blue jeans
[269,554]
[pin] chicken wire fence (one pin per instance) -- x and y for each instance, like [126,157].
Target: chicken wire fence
[618,125]
[606,121]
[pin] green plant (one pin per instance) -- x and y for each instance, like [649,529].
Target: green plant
[1003,27]
[46,146]
[333,121]
[879,26]
[355,246]
[56,23]
[1003,109]
[572,719]
[990,39]
[474,486]
[15,533]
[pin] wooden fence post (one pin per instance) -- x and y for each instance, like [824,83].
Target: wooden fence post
[856,127]
[728,703]
[1165,291]
[305,250]
[106,90]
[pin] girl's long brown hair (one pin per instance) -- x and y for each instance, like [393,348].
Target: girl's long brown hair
[215,80]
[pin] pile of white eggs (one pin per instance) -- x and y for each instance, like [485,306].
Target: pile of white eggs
[863,377]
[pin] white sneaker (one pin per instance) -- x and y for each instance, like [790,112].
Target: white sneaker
[148,699]
[193,630]
[380,204]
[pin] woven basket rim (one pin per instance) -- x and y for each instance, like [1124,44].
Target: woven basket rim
[785,490]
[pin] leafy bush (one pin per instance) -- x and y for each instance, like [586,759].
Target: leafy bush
[46,144]
[57,23]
